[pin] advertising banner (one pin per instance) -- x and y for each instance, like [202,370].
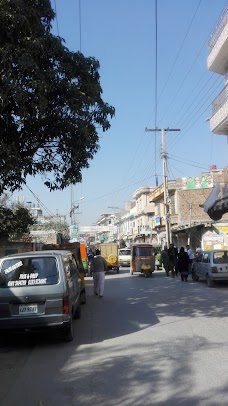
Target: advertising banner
[198,182]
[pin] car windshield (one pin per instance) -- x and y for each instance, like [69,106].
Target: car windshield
[144,251]
[220,257]
[18,272]
[125,252]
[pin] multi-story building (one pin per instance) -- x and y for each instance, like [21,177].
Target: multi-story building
[133,223]
[40,218]
[159,219]
[107,228]
[143,215]
[217,61]
[188,221]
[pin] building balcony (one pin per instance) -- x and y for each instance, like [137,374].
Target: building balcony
[217,60]
[158,193]
[219,119]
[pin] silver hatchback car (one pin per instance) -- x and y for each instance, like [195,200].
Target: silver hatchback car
[211,266]
[39,290]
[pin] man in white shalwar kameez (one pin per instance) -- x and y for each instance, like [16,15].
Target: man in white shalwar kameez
[98,267]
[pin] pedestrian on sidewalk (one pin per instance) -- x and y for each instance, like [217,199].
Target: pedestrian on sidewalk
[98,268]
[183,264]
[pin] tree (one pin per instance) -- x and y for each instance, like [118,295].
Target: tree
[14,222]
[51,108]
[62,228]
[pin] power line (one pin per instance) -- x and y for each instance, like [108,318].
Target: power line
[195,166]
[180,49]
[42,204]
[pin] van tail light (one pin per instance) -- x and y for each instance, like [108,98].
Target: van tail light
[214,269]
[65,306]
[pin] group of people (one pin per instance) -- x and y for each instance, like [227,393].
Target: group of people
[177,262]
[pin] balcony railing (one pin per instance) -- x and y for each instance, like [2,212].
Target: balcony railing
[222,21]
[220,100]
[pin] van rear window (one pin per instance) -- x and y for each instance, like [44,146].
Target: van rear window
[18,272]
[220,257]
[125,252]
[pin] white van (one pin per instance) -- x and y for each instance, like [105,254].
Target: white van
[124,256]
[211,266]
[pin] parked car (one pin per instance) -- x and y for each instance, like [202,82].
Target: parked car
[40,290]
[124,256]
[211,266]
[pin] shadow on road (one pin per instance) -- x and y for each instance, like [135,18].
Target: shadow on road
[98,369]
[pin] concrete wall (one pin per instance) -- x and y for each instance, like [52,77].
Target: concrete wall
[9,247]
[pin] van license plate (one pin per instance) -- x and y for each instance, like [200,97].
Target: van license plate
[28,309]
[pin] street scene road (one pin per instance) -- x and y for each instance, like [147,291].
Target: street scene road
[149,341]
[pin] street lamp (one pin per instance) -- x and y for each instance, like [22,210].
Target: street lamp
[74,206]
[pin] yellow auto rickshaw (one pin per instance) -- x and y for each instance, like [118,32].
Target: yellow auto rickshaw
[142,259]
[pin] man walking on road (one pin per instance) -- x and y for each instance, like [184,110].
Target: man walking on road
[98,267]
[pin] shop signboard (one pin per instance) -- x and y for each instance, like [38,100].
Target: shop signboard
[157,221]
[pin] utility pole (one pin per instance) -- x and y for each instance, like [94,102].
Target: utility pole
[165,181]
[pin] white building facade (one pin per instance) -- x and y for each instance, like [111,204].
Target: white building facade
[217,61]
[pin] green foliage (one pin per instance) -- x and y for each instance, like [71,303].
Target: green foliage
[50,102]
[60,227]
[14,222]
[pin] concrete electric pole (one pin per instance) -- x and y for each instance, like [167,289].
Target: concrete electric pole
[165,181]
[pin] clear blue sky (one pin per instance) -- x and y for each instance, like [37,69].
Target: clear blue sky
[121,35]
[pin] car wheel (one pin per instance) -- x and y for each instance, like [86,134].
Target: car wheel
[210,282]
[77,313]
[68,333]
[195,278]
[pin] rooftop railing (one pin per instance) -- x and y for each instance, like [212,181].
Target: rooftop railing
[220,100]
[221,23]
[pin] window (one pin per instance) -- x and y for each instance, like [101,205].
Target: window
[144,251]
[35,271]
[220,257]
[199,258]
[205,258]
[125,252]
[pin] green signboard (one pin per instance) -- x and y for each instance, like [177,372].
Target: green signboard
[102,238]
[198,182]
[73,231]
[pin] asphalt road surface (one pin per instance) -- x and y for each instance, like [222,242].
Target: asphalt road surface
[149,341]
